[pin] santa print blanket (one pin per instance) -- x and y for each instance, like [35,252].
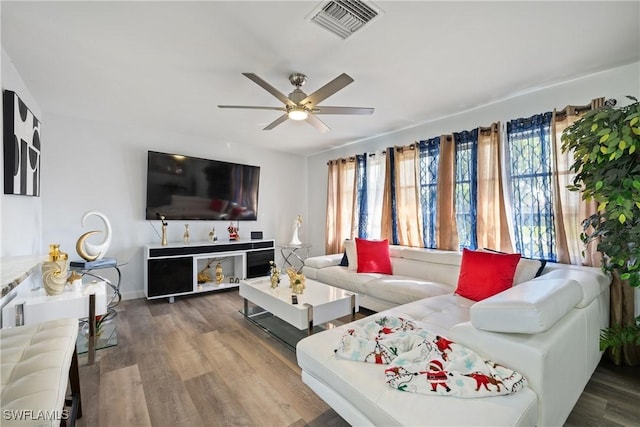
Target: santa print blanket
[422,362]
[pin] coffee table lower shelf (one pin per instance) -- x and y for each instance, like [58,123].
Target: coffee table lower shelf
[277,328]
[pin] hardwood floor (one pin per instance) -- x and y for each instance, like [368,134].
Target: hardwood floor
[198,362]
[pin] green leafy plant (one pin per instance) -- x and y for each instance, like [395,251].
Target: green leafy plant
[617,335]
[606,150]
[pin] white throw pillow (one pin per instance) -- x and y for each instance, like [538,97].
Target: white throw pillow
[352,254]
[526,270]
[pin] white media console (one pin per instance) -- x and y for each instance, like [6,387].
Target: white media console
[172,270]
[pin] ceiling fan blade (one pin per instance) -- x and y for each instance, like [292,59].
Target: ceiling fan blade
[272,90]
[252,107]
[343,110]
[327,90]
[317,123]
[276,122]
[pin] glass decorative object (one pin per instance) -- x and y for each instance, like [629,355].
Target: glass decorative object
[186,238]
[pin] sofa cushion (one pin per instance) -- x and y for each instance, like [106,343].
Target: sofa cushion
[483,274]
[373,256]
[402,290]
[529,308]
[343,278]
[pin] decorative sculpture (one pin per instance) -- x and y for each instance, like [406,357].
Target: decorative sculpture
[203,275]
[219,274]
[54,270]
[296,226]
[186,237]
[274,274]
[212,235]
[296,281]
[163,239]
[91,252]
[233,231]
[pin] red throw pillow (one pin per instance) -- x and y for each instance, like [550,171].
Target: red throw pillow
[373,256]
[483,274]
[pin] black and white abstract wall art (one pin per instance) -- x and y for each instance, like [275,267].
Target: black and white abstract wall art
[21,147]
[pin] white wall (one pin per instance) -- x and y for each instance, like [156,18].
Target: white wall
[20,216]
[615,83]
[97,166]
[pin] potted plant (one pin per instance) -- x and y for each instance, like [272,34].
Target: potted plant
[606,150]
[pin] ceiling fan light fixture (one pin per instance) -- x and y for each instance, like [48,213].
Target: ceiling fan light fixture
[297,114]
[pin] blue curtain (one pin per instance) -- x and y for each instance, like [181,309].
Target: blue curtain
[529,149]
[466,189]
[361,195]
[429,156]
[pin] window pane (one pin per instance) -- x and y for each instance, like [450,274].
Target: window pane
[529,145]
[429,158]
[466,188]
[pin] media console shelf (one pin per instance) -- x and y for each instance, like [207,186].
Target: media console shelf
[172,270]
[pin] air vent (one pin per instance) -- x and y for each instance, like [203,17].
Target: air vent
[344,17]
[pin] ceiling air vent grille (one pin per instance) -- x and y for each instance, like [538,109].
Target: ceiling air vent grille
[344,17]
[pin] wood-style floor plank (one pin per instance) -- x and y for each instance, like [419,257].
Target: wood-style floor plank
[199,362]
[127,407]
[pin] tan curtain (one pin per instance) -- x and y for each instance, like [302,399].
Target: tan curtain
[492,228]
[340,201]
[386,231]
[407,196]
[446,228]
[569,207]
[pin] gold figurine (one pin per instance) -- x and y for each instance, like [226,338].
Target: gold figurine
[275,274]
[219,275]
[296,281]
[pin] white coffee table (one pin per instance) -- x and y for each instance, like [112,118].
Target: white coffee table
[320,303]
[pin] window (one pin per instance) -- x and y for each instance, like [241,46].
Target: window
[428,166]
[370,175]
[466,190]
[530,167]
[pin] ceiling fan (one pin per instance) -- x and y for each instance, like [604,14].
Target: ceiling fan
[300,106]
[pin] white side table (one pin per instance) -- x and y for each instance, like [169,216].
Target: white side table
[291,253]
[35,306]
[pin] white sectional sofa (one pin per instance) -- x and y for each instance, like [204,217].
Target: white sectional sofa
[545,327]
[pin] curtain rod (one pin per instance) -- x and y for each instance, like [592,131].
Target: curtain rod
[582,108]
[494,127]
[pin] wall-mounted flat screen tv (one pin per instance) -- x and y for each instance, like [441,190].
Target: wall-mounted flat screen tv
[182,187]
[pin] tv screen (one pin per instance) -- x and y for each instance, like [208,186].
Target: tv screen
[181,187]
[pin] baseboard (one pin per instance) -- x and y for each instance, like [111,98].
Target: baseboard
[132,294]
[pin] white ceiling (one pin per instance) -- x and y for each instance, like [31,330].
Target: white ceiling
[167,65]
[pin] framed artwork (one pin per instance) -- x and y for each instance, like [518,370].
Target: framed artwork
[21,147]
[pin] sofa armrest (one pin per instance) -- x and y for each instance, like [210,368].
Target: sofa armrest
[323,261]
[529,308]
